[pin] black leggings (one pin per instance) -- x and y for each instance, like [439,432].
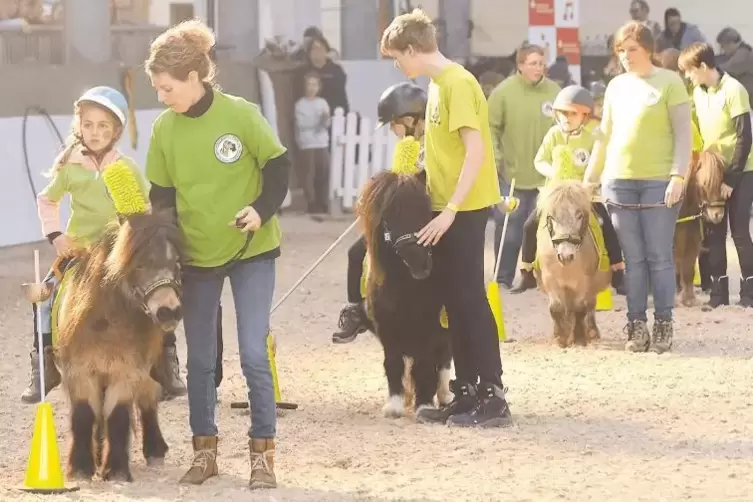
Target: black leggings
[459,265]
[737,216]
[611,242]
[356,254]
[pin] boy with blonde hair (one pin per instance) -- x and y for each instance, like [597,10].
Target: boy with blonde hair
[461,180]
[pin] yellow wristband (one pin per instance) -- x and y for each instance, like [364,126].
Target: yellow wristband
[452,207]
[678,177]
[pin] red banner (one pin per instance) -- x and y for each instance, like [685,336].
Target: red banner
[568,44]
[541,12]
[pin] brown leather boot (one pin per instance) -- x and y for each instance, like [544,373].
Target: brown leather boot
[262,463]
[204,464]
[52,378]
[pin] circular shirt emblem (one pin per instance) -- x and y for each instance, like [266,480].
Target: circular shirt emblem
[228,148]
[547,109]
[580,156]
[652,97]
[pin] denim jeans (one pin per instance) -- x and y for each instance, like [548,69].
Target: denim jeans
[252,284]
[646,237]
[514,236]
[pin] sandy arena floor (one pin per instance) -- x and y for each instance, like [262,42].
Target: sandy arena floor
[591,424]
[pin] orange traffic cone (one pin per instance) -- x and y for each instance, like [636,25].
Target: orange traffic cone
[44,473]
[604,300]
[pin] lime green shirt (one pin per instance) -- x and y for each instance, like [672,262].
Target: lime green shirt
[455,100]
[716,109]
[637,124]
[215,164]
[91,208]
[520,114]
[564,156]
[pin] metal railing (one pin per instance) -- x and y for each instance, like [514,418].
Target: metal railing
[46,44]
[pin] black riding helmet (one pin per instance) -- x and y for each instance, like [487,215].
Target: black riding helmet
[400,100]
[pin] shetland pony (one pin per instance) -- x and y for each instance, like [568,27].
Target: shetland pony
[122,296]
[402,294]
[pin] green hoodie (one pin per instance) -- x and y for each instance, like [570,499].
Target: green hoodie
[520,114]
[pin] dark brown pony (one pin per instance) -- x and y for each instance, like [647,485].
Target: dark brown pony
[702,201]
[402,291]
[122,296]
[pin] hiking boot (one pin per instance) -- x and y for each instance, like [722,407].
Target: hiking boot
[719,294]
[638,336]
[746,292]
[352,322]
[463,402]
[262,453]
[204,464]
[167,373]
[527,281]
[491,410]
[33,393]
[662,337]
[618,282]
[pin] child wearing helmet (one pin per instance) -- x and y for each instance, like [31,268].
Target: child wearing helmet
[403,107]
[99,119]
[564,155]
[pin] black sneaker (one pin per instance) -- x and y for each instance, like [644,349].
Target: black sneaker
[353,321]
[719,293]
[638,336]
[527,281]
[491,410]
[662,336]
[746,292]
[464,401]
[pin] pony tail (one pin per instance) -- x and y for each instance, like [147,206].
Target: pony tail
[70,144]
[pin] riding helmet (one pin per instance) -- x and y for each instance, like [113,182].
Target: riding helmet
[598,90]
[108,97]
[400,100]
[574,98]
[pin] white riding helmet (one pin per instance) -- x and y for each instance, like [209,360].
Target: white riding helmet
[110,98]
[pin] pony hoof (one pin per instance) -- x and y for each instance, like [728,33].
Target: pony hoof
[394,408]
[79,475]
[116,476]
[689,302]
[155,461]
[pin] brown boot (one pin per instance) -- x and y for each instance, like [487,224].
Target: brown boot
[262,463]
[52,378]
[204,464]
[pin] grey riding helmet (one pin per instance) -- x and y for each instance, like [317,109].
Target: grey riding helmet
[400,100]
[574,98]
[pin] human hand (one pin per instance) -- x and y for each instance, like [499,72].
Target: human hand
[64,245]
[673,193]
[431,233]
[726,191]
[508,204]
[247,220]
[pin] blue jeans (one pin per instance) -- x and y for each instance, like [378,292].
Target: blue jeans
[646,237]
[514,236]
[253,286]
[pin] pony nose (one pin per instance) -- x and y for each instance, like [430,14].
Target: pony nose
[564,258]
[166,314]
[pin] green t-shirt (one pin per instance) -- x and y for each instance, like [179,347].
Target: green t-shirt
[637,124]
[91,206]
[215,164]
[456,101]
[565,156]
[716,109]
[520,114]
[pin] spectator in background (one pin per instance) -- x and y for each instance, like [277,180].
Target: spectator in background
[331,75]
[738,57]
[677,33]
[489,80]
[312,120]
[560,72]
[639,12]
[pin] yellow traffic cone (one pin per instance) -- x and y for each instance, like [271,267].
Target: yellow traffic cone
[604,300]
[495,302]
[272,351]
[43,472]
[697,275]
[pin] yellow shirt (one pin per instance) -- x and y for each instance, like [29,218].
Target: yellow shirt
[455,100]
[716,109]
[638,126]
[564,156]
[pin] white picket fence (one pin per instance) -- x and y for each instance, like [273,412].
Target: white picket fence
[359,151]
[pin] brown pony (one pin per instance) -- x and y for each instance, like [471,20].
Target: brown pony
[121,297]
[702,201]
[568,256]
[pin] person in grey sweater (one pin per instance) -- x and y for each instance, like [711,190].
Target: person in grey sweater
[312,121]
[738,57]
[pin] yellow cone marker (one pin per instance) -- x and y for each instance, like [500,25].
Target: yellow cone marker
[604,300]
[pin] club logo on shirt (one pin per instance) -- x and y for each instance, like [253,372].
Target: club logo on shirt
[580,156]
[228,148]
[652,97]
[547,109]
[434,115]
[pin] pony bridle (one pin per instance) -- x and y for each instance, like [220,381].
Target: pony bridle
[147,292]
[402,241]
[557,239]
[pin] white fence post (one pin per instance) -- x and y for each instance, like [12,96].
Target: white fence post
[358,152]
